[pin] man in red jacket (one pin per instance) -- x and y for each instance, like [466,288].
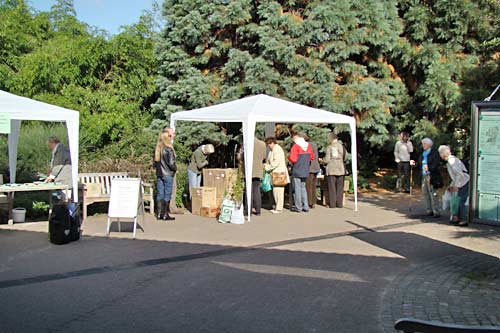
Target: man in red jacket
[301,156]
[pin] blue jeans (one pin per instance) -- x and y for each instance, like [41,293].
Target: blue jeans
[300,194]
[164,187]
[463,194]
[194,180]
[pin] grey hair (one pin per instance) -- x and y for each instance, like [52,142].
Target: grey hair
[444,150]
[427,141]
[53,139]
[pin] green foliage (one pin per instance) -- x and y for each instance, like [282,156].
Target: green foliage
[394,65]
[33,154]
[53,57]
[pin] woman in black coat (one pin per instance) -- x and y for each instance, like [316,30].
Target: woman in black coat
[166,167]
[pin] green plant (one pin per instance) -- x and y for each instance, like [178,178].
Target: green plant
[40,207]
[238,189]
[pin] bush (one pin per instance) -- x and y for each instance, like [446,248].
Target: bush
[32,153]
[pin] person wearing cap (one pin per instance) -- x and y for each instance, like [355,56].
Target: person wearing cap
[459,183]
[199,160]
[402,152]
[428,163]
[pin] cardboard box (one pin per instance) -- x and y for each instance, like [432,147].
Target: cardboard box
[210,211]
[203,197]
[222,179]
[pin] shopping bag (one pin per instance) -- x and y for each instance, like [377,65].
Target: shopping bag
[265,183]
[237,216]
[226,211]
[446,200]
[454,204]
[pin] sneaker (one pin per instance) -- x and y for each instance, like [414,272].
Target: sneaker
[305,210]
[295,210]
[276,211]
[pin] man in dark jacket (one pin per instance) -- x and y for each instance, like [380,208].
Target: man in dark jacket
[429,162]
[259,156]
[301,156]
[313,172]
[60,163]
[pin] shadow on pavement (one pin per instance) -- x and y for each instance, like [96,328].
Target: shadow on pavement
[164,286]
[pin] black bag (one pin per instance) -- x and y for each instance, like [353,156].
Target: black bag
[59,225]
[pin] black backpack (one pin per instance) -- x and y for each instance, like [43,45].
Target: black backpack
[59,225]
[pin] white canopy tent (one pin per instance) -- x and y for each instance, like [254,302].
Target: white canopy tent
[267,109]
[22,108]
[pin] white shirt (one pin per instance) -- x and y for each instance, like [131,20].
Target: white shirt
[457,171]
[402,151]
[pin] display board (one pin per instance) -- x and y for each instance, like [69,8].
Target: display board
[126,201]
[485,177]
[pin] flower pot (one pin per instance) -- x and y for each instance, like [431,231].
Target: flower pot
[19,215]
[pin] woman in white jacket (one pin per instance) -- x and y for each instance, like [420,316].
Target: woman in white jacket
[459,183]
[276,164]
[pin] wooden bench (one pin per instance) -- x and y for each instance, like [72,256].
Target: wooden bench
[410,325]
[97,188]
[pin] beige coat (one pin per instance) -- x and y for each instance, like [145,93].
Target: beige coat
[276,161]
[335,159]
[259,155]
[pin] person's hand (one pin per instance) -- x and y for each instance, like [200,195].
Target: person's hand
[398,160]
[413,163]
[426,168]
[453,189]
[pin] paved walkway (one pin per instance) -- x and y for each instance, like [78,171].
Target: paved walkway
[330,270]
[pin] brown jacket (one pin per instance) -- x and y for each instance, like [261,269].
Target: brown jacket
[259,156]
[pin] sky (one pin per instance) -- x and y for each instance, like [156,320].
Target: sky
[105,14]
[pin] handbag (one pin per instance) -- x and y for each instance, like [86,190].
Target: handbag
[280,179]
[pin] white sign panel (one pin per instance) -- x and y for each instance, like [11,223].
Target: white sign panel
[125,198]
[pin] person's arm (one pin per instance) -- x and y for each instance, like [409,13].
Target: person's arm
[410,147]
[328,155]
[170,159]
[200,159]
[396,152]
[311,152]
[294,154]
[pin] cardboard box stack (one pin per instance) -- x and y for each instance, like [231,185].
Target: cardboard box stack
[203,197]
[223,181]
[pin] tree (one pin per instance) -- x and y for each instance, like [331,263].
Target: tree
[393,65]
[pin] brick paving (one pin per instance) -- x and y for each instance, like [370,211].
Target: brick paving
[459,289]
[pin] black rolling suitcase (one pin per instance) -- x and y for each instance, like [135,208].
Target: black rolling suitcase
[60,225]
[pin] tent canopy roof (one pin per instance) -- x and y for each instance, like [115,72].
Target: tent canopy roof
[262,108]
[22,108]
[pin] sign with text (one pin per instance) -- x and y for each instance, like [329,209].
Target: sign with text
[125,201]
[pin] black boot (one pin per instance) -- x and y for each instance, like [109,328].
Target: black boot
[160,209]
[166,215]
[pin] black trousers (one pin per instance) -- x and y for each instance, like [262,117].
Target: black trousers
[403,182]
[311,190]
[256,195]
[335,191]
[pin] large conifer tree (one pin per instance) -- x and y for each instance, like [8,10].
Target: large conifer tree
[392,64]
